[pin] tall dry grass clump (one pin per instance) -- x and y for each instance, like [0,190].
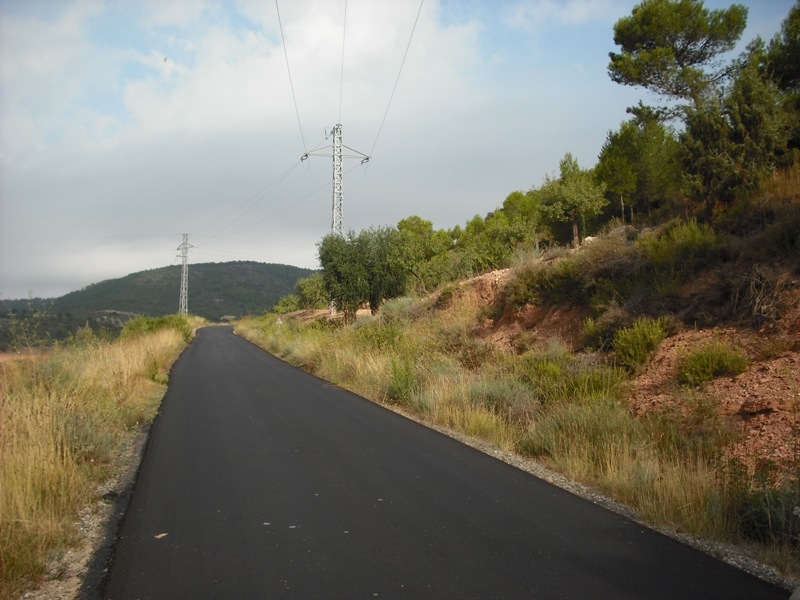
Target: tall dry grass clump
[62,424]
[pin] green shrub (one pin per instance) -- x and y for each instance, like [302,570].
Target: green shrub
[403,382]
[323,325]
[693,429]
[562,283]
[375,335]
[764,505]
[556,375]
[710,361]
[506,396]
[678,252]
[401,310]
[635,345]
[594,335]
[678,243]
[142,325]
[557,282]
[286,304]
[770,515]
[544,370]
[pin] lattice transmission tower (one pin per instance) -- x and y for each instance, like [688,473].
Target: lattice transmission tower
[183,303]
[337,203]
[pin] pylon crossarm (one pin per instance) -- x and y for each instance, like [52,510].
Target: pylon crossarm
[337,150]
[356,155]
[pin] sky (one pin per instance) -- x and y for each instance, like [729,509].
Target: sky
[127,123]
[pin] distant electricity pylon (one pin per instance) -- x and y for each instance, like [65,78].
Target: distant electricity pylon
[183,303]
[337,208]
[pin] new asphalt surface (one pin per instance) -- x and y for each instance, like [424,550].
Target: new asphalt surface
[261,481]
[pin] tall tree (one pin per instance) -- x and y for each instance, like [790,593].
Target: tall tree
[310,292]
[344,273]
[423,251]
[783,54]
[380,251]
[783,62]
[363,268]
[732,142]
[672,48]
[573,197]
[639,164]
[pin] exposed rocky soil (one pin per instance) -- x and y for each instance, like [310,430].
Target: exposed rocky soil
[761,404]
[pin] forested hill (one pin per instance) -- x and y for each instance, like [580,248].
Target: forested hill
[215,290]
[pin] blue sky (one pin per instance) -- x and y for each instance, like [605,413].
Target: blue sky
[124,124]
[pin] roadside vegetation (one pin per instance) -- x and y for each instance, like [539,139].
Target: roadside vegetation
[66,414]
[689,220]
[566,404]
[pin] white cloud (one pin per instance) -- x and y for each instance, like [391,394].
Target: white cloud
[100,137]
[174,13]
[533,15]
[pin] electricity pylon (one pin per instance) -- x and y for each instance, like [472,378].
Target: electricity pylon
[183,303]
[337,208]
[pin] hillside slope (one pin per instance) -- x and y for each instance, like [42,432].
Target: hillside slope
[760,404]
[215,289]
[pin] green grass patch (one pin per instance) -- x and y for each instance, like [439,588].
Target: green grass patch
[636,344]
[709,361]
[144,325]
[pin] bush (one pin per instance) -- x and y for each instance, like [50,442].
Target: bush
[286,304]
[375,335]
[678,243]
[679,251]
[583,438]
[403,380]
[765,508]
[635,345]
[472,353]
[558,282]
[401,310]
[710,361]
[506,396]
[143,325]
[555,375]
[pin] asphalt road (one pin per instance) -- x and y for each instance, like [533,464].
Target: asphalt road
[260,481]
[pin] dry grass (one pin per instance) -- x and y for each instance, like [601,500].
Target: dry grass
[63,420]
[783,188]
[567,411]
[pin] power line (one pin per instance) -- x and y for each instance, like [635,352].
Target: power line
[341,76]
[291,85]
[255,199]
[371,152]
[288,206]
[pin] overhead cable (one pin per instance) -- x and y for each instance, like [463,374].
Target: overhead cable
[288,70]
[372,150]
[341,76]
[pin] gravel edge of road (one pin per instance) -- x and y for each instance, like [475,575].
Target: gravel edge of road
[728,553]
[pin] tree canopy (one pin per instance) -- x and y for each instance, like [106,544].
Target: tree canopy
[573,196]
[640,167]
[672,47]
